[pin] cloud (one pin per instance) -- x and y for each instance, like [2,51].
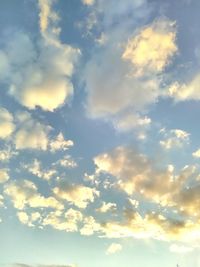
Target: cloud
[186,91]
[114,248]
[107,207]
[79,195]
[4,177]
[120,72]
[196,154]
[90,226]
[36,169]
[174,195]
[152,48]
[68,221]
[6,154]
[88,2]
[7,125]
[66,162]
[39,73]
[24,193]
[175,138]
[135,173]
[60,143]
[1,201]
[31,134]
[28,219]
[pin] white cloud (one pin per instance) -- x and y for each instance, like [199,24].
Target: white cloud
[79,195]
[174,138]
[36,169]
[186,91]
[152,48]
[105,207]
[66,222]
[90,226]
[114,92]
[196,154]
[4,177]
[114,248]
[66,162]
[7,125]
[59,143]
[40,73]
[31,134]
[24,193]
[7,154]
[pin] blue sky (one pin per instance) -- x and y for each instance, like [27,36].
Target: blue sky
[99,133]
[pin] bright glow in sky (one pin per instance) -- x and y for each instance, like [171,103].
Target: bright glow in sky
[99,133]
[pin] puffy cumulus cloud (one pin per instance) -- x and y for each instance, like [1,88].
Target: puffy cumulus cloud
[151,225]
[175,195]
[196,154]
[31,134]
[76,194]
[105,207]
[24,193]
[4,177]
[59,143]
[7,125]
[90,226]
[186,91]
[40,74]
[135,173]
[27,219]
[36,169]
[152,48]
[174,138]
[67,221]
[114,248]
[126,164]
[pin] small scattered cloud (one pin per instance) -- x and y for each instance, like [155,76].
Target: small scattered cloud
[107,207]
[24,193]
[31,134]
[7,125]
[59,143]
[114,248]
[4,176]
[76,194]
[174,138]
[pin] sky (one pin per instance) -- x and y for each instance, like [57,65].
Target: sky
[99,133]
